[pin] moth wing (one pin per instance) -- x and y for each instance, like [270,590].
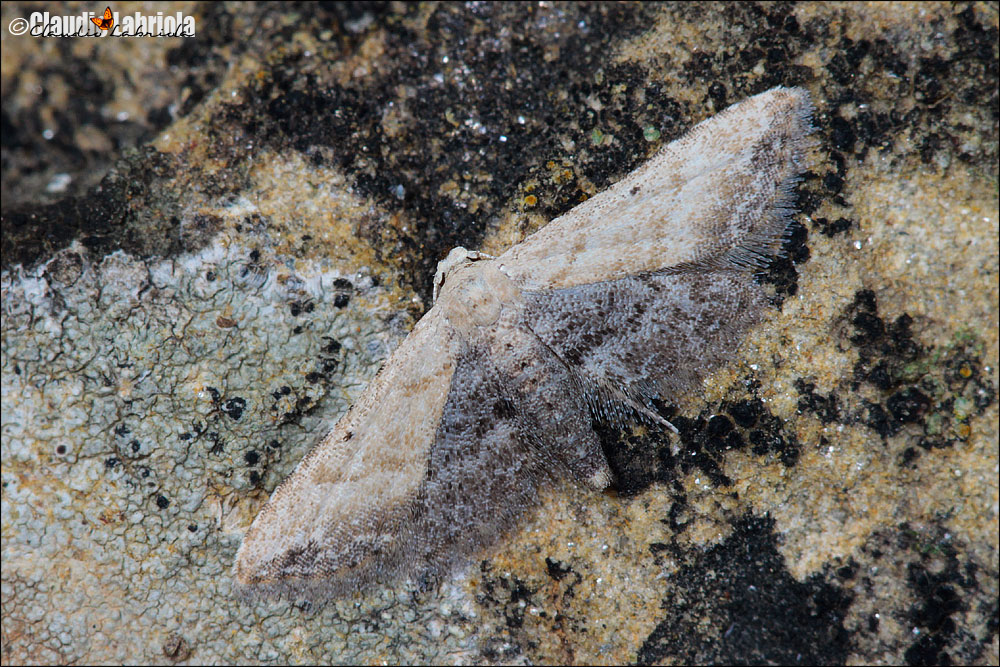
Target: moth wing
[360,475]
[426,467]
[634,338]
[719,196]
[648,285]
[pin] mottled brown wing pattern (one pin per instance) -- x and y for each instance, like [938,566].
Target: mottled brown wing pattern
[649,335]
[515,421]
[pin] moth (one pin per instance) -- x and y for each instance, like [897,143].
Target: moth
[634,294]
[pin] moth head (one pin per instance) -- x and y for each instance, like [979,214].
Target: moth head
[457,257]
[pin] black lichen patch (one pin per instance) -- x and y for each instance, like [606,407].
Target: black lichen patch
[234,407]
[290,405]
[938,390]
[875,94]
[769,38]
[500,651]
[636,461]
[297,308]
[826,408]
[832,228]
[134,206]
[738,604]
[866,73]
[951,618]
[511,594]
[113,216]
[327,361]
[557,569]
[509,598]
[120,193]
[782,273]
[202,60]
[639,461]
[62,125]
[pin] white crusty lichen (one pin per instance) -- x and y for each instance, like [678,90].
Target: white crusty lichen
[145,406]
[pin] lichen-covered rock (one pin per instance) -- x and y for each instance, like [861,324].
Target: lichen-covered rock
[210,244]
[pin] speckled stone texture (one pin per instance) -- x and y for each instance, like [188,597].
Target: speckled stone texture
[210,244]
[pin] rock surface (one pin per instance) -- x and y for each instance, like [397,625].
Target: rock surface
[211,243]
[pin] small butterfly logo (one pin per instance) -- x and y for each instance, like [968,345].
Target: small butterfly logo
[105,23]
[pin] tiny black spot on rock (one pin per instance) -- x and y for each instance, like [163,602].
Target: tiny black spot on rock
[848,571]
[745,413]
[216,441]
[557,569]
[717,92]
[251,457]
[162,502]
[842,134]
[826,408]
[908,406]
[234,407]
[838,226]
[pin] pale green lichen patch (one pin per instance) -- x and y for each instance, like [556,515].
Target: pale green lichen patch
[147,407]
